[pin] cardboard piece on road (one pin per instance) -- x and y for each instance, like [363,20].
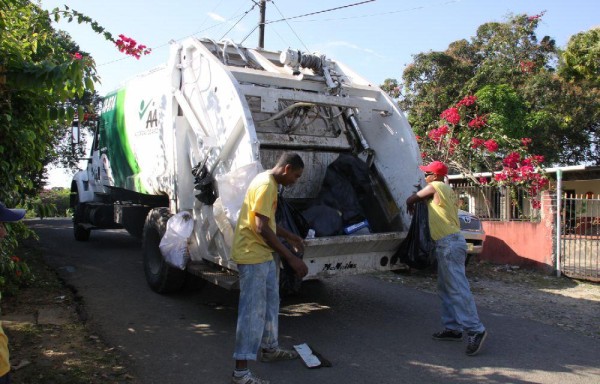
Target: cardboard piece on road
[311,358]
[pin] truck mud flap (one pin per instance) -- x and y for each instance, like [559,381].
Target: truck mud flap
[352,254]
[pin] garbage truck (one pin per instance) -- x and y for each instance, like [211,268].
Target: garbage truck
[191,134]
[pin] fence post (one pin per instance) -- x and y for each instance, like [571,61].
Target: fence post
[558,217]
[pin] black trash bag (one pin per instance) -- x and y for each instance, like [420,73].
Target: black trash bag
[292,220]
[204,182]
[416,250]
[338,193]
[326,221]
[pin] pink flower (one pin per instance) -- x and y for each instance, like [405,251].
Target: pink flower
[130,47]
[500,176]
[437,134]
[451,115]
[483,180]
[526,170]
[467,100]
[478,122]
[476,142]
[434,135]
[77,56]
[538,159]
[536,204]
[454,142]
[512,160]
[526,141]
[491,145]
[526,66]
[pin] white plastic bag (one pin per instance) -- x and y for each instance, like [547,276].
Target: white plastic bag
[223,222]
[173,245]
[232,189]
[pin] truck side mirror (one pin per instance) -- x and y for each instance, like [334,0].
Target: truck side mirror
[75,132]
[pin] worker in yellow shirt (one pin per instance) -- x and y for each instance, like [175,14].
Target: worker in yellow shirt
[459,312]
[256,239]
[6,216]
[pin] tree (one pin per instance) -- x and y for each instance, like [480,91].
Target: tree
[581,58]
[45,79]
[515,78]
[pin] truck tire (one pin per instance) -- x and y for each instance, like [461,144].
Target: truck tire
[160,276]
[81,233]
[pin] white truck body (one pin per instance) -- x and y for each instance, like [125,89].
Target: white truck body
[233,111]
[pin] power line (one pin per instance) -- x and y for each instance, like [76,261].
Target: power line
[236,23]
[379,14]
[323,11]
[292,29]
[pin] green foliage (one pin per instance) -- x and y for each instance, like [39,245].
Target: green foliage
[14,272]
[44,80]
[506,109]
[40,73]
[49,203]
[515,78]
[581,59]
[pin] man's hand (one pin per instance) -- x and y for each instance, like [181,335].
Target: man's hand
[298,265]
[297,243]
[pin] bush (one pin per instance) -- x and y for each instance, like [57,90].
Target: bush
[49,203]
[14,272]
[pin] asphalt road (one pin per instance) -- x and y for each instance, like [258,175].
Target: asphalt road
[371,330]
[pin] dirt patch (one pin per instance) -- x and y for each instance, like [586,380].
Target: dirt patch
[570,304]
[49,339]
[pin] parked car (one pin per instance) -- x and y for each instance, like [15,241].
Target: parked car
[472,230]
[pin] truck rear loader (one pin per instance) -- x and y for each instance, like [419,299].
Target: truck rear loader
[191,134]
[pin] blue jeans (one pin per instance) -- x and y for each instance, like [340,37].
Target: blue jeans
[258,311]
[5,379]
[458,306]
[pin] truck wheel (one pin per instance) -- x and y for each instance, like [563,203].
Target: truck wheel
[161,277]
[80,233]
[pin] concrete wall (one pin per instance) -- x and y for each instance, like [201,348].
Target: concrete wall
[522,243]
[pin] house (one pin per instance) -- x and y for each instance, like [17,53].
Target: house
[519,234]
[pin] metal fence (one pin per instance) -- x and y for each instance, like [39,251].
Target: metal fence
[580,239]
[495,203]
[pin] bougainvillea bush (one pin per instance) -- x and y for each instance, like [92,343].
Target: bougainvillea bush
[467,140]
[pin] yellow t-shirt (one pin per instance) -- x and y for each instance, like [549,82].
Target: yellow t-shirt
[4,362]
[248,246]
[443,217]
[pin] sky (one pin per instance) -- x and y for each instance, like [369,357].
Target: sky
[376,39]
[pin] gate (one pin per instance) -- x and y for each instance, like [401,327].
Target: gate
[580,236]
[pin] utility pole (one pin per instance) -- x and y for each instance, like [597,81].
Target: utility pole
[261,25]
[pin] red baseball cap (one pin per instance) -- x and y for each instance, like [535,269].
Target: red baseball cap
[436,167]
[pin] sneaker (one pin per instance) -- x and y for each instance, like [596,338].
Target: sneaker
[278,354]
[448,335]
[248,378]
[475,342]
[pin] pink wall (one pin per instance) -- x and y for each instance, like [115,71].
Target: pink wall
[522,242]
[517,243]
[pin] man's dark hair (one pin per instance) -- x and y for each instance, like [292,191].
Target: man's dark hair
[292,159]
